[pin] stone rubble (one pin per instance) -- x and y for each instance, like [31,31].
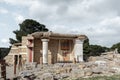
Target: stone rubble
[105,65]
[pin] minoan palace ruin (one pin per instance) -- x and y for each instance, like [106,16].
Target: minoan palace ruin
[49,47]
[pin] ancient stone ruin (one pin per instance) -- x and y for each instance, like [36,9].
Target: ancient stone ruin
[105,65]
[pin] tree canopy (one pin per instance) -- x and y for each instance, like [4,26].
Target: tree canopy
[96,50]
[86,47]
[4,52]
[92,50]
[117,45]
[28,26]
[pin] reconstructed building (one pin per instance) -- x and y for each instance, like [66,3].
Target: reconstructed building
[17,50]
[49,47]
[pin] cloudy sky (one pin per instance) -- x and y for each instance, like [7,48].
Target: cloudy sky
[98,19]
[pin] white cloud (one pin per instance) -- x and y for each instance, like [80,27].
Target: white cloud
[98,19]
[3,24]
[4,43]
[84,11]
[1,1]
[111,21]
[3,11]
[18,18]
[59,29]
[42,11]
[4,40]
[19,2]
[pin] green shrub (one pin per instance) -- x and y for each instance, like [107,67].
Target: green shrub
[114,77]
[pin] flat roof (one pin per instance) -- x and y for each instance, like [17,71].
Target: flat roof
[57,35]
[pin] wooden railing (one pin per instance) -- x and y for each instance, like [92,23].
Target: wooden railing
[2,70]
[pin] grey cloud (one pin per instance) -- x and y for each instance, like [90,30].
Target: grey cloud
[98,19]
[57,2]
[62,9]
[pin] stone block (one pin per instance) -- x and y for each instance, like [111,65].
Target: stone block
[97,71]
[110,56]
[47,76]
[101,63]
[92,58]
[77,74]
[88,72]
[82,66]
[117,69]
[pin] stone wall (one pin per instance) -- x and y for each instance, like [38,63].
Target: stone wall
[24,40]
[17,50]
[9,59]
[53,47]
[71,50]
[105,65]
[54,52]
[37,50]
[14,50]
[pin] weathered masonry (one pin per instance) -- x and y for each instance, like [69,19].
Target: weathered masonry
[49,47]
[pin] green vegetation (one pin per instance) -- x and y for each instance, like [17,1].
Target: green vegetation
[117,45]
[96,50]
[4,52]
[93,50]
[86,46]
[114,77]
[28,26]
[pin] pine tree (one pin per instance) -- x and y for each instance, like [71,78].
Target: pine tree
[28,26]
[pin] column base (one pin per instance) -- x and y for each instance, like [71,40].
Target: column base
[79,58]
[45,63]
